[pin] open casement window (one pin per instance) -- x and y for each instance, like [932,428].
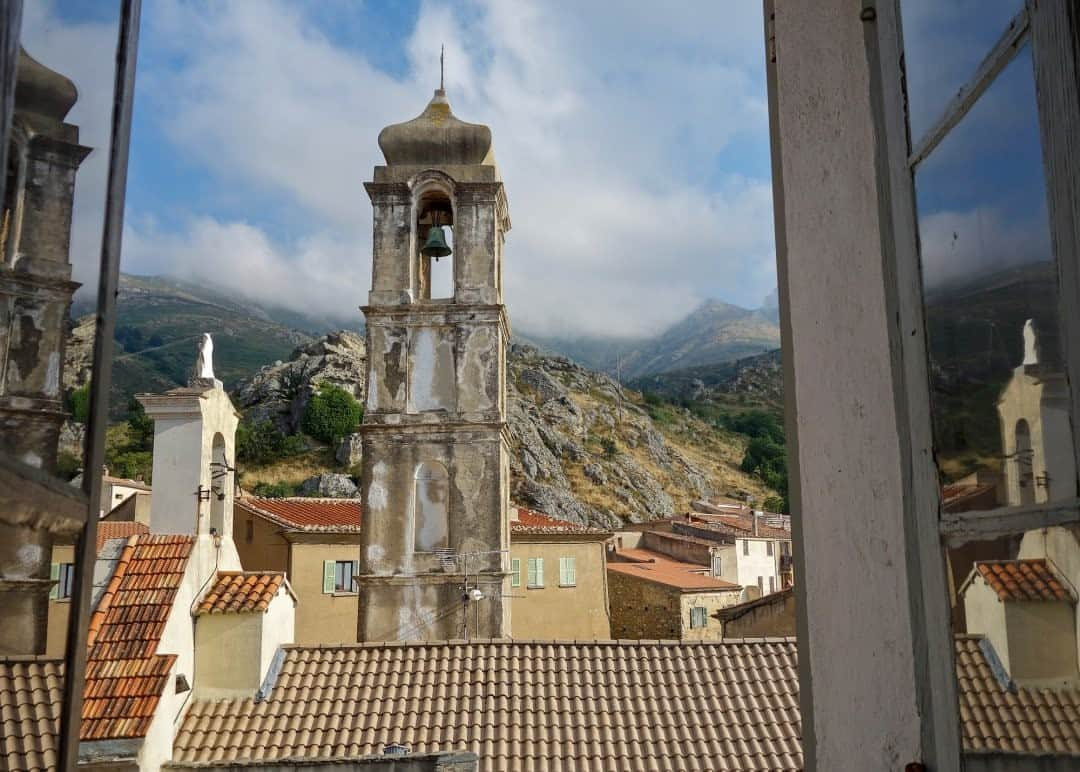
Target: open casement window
[992,199]
[338,576]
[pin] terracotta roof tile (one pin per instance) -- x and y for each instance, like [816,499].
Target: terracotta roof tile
[118,529]
[125,676]
[532,522]
[30,693]
[997,717]
[304,514]
[520,705]
[658,568]
[239,592]
[1023,580]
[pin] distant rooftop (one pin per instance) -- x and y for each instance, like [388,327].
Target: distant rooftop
[655,567]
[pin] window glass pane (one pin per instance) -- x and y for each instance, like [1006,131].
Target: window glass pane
[943,45]
[1013,604]
[1000,399]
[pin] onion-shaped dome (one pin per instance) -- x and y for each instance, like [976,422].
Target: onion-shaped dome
[43,91]
[435,137]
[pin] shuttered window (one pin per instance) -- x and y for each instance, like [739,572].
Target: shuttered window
[515,572]
[338,576]
[567,572]
[698,617]
[536,572]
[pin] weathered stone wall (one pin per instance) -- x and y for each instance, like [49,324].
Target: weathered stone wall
[776,617]
[642,609]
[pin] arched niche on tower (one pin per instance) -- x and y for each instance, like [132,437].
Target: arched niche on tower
[431,507]
[1025,461]
[219,479]
[433,204]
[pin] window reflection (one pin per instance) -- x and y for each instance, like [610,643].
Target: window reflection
[944,42]
[1000,402]
[50,244]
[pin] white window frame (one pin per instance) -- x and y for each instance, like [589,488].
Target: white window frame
[1050,29]
[334,587]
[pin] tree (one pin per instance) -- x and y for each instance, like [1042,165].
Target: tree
[262,443]
[331,413]
[79,401]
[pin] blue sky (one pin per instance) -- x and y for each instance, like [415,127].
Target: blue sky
[633,143]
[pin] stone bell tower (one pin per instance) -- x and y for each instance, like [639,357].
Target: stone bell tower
[436,534]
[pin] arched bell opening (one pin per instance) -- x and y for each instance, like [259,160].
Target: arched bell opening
[1025,461]
[219,479]
[435,242]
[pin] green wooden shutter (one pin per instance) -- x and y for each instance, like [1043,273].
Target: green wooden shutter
[329,568]
[567,572]
[539,572]
[532,572]
[353,587]
[54,574]
[515,572]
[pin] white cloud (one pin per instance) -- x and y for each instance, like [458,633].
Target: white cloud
[607,124]
[977,242]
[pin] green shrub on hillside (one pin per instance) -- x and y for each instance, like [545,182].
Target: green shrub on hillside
[79,404]
[129,448]
[331,413]
[273,490]
[262,443]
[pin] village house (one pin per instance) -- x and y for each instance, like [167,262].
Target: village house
[558,582]
[745,547]
[653,596]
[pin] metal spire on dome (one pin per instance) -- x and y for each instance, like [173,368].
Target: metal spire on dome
[442,67]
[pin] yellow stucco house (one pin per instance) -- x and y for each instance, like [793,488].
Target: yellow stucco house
[558,569]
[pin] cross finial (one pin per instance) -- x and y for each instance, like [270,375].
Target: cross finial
[442,68]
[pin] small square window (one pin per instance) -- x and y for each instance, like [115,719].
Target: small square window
[698,617]
[343,576]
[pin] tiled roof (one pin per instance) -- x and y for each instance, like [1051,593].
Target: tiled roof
[30,692]
[655,567]
[124,675]
[1022,580]
[525,705]
[118,529]
[238,592]
[126,483]
[997,717]
[744,525]
[531,522]
[303,514]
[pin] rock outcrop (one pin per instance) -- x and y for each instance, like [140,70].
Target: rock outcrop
[279,392]
[583,448]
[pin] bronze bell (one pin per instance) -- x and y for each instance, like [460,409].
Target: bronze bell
[435,246]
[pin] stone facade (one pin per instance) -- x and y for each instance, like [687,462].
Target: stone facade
[435,483]
[650,610]
[35,295]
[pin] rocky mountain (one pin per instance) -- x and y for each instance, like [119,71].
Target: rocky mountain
[751,382]
[584,448]
[713,333]
[158,325]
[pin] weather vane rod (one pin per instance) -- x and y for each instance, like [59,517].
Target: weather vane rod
[442,68]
